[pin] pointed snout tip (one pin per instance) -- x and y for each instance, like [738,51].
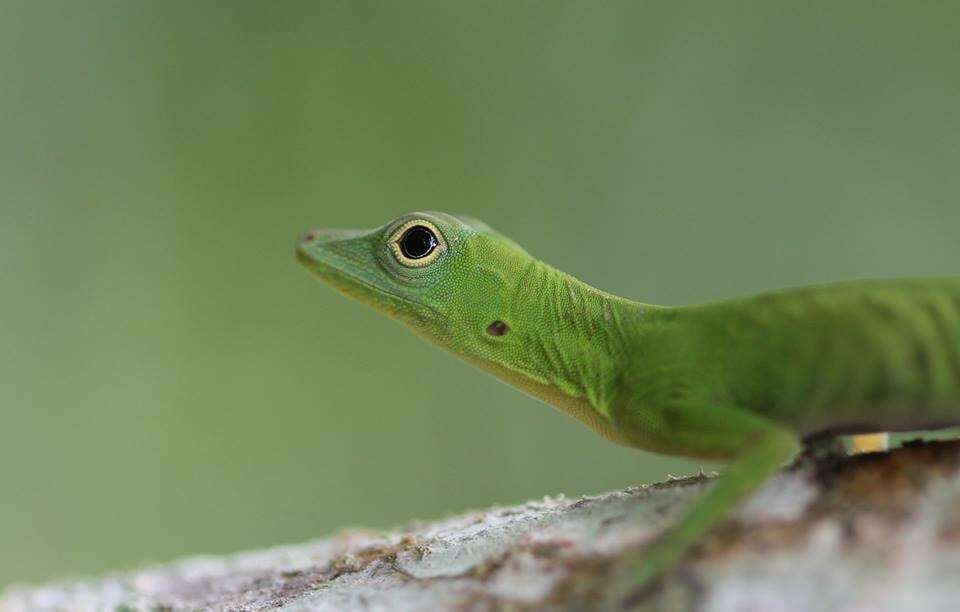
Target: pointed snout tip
[306,246]
[319,236]
[312,245]
[311,241]
[308,236]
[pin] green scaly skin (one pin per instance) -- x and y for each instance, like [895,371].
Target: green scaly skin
[743,380]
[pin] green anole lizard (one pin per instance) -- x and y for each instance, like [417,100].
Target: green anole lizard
[745,381]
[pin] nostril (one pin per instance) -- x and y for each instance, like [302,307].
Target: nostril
[308,236]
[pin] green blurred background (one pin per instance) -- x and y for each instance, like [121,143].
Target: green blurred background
[172,382]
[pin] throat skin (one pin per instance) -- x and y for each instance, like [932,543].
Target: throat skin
[567,344]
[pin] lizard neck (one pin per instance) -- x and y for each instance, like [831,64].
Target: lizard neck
[568,343]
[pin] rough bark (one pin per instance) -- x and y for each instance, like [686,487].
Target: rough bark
[868,532]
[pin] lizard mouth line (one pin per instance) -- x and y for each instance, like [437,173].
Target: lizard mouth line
[350,284]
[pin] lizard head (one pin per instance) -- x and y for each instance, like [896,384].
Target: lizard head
[447,277]
[465,287]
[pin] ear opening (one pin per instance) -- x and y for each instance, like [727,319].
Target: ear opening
[497,328]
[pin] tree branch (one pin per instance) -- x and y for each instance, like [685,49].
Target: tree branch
[878,531]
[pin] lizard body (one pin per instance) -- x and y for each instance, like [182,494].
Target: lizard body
[743,380]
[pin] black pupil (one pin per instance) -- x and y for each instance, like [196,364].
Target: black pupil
[417,242]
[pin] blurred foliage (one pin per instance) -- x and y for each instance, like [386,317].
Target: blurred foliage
[172,382]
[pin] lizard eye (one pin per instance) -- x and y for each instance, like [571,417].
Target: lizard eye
[416,243]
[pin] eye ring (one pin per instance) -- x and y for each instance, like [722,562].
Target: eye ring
[417,243]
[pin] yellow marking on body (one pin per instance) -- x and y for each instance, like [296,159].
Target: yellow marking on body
[870,443]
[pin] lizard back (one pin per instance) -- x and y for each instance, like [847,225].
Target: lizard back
[843,358]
